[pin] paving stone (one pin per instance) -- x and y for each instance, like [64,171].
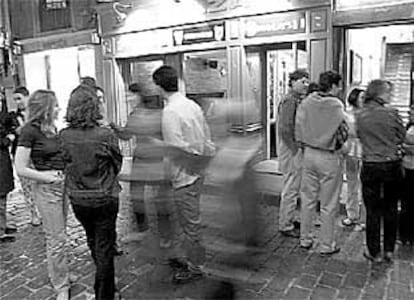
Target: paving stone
[295,293]
[349,294]
[331,279]
[39,281]
[306,281]
[336,266]
[43,293]
[323,293]
[11,284]
[399,291]
[76,289]
[19,293]
[355,280]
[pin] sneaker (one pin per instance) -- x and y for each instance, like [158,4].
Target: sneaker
[36,221]
[63,295]
[306,244]
[359,227]
[347,222]
[375,259]
[5,238]
[118,250]
[328,252]
[165,243]
[177,264]
[186,276]
[293,233]
[10,230]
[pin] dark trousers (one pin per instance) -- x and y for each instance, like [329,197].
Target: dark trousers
[138,204]
[406,228]
[381,186]
[99,224]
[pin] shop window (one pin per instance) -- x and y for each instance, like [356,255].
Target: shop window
[390,56]
[54,15]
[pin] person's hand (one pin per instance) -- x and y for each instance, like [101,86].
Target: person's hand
[52,176]
[11,137]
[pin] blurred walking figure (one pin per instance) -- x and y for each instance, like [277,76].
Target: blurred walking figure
[290,154]
[381,132]
[21,96]
[406,228]
[321,128]
[92,162]
[185,128]
[147,172]
[40,159]
[7,136]
[353,163]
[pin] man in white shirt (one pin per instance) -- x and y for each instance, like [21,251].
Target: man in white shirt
[187,136]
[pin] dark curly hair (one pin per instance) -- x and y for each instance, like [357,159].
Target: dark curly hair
[84,108]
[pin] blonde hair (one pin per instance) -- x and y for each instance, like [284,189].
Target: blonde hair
[41,107]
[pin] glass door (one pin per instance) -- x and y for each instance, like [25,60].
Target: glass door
[268,69]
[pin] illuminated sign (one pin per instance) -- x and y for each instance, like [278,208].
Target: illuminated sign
[276,24]
[201,34]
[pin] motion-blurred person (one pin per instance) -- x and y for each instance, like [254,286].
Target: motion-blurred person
[406,226]
[353,163]
[7,136]
[40,159]
[92,162]
[290,155]
[20,97]
[320,127]
[184,127]
[381,132]
[147,171]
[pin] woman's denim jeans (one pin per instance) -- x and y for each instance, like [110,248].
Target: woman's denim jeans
[53,208]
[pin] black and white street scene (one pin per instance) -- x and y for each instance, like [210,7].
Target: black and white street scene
[206,149]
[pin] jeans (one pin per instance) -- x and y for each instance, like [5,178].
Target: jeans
[381,185]
[187,201]
[321,180]
[100,225]
[353,169]
[53,208]
[291,166]
[3,214]
[406,228]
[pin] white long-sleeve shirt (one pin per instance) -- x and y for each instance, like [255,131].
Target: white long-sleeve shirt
[184,127]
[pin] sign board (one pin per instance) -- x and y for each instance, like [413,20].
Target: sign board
[358,4]
[275,24]
[200,34]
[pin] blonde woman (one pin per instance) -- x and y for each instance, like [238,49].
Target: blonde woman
[40,159]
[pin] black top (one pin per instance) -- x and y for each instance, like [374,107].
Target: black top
[46,152]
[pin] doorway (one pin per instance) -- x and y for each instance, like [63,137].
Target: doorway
[268,69]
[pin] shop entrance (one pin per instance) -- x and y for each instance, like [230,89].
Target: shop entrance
[390,56]
[268,69]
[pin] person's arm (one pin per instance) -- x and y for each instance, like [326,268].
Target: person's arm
[115,152]
[23,168]
[172,131]
[399,128]
[287,124]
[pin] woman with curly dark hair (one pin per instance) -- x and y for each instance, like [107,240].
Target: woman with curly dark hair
[92,162]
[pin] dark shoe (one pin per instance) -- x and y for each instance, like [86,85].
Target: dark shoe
[118,251]
[293,233]
[10,230]
[306,245]
[348,222]
[186,276]
[296,225]
[329,252]
[388,257]
[177,264]
[375,259]
[7,238]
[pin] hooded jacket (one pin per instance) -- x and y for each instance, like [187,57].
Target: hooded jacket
[317,120]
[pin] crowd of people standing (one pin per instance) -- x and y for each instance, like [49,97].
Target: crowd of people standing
[319,140]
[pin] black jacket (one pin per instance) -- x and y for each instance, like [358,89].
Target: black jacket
[6,169]
[92,163]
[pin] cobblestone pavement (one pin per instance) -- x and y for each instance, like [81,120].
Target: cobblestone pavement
[280,270]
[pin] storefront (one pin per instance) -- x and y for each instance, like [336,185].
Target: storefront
[242,53]
[376,40]
[57,63]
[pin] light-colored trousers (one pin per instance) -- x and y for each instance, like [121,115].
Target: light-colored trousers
[353,169]
[53,208]
[291,166]
[321,180]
